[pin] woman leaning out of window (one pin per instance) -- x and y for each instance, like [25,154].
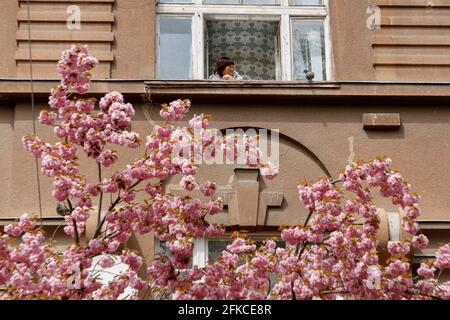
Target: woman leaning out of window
[224,70]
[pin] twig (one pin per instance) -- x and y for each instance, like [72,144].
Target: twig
[77,236]
[111,207]
[101,195]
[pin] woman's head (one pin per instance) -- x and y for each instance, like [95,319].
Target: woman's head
[224,66]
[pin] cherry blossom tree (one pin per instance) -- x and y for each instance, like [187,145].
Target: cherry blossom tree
[334,254]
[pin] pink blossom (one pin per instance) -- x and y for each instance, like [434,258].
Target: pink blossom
[420,241]
[47,117]
[95,246]
[443,257]
[34,145]
[80,214]
[153,189]
[199,122]
[425,271]
[128,197]
[398,248]
[109,99]
[294,236]
[110,186]
[85,106]
[12,230]
[188,169]
[214,206]
[335,247]
[397,268]
[176,110]
[269,171]
[445,289]
[240,246]
[188,183]
[93,190]
[107,158]
[132,259]
[208,188]
[106,261]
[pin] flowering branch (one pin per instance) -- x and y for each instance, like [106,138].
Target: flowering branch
[337,256]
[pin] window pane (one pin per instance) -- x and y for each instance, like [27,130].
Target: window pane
[308,48]
[262,2]
[305,2]
[175,42]
[162,250]
[222,1]
[174,1]
[257,2]
[216,246]
[251,44]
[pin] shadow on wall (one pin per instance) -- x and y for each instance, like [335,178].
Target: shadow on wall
[390,134]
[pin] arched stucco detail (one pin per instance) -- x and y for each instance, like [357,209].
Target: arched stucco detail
[297,144]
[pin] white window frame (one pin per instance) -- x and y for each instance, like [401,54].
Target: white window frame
[200,253]
[201,250]
[282,12]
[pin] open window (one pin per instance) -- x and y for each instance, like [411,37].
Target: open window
[175,47]
[267,39]
[308,48]
[251,43]
[215,247]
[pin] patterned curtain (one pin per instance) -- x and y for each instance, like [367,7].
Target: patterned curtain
[251,44]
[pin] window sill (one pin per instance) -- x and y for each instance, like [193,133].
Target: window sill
[233,90]
[298,91]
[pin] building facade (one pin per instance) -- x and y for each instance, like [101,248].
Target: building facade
[381,87]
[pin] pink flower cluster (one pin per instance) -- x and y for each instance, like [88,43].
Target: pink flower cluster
[333,254]
[175,220]
[176,110]
[443,257]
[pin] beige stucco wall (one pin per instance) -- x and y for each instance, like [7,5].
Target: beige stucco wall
[120,32]
[134,33]
[8,38]
[352,53]
[420,149]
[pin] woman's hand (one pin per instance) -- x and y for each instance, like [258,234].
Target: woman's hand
[227,77]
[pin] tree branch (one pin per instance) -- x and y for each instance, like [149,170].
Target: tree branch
[305,244]
[101,195]
[77,236]
[111,207]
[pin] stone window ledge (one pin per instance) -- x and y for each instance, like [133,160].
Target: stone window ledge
[14,89]
[273,91]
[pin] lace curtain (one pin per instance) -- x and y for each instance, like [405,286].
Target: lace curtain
[251,44]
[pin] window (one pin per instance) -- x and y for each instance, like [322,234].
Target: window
[214,247]
[175,53]
[252,44]
[308,48]
[267,39]
[210,250]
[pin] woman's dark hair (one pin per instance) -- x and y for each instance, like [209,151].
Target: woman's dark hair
[221,64]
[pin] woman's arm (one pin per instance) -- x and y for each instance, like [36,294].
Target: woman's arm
[237,76]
